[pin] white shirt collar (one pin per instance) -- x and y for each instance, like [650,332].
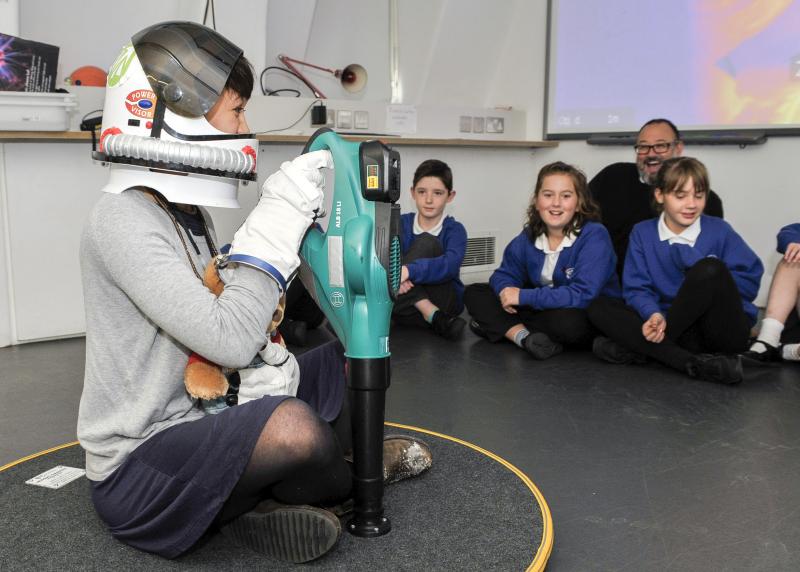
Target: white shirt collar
[688,236]
[544,245]
[434,231]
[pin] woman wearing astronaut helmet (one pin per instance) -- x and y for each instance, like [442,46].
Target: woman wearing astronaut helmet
[162,471]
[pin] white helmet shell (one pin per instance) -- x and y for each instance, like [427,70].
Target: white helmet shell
[154,132]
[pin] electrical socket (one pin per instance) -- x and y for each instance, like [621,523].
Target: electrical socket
[331,119]
[361,119]
[344,119]
[495,125]
[477,124]
[465,124]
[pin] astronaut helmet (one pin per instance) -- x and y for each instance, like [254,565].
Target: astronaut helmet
[154,130]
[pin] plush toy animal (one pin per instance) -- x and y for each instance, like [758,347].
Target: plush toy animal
[273,370]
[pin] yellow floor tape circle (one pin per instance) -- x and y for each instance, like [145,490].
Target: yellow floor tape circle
[545,544]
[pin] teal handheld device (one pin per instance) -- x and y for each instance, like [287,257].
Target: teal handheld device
[352,270]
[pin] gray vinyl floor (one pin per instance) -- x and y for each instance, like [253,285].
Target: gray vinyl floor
[642,468]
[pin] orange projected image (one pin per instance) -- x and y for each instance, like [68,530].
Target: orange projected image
[748,61]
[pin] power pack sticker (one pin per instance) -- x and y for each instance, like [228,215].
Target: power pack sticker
[141,103]
[373,181]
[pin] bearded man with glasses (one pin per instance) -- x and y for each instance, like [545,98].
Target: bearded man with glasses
[624,191]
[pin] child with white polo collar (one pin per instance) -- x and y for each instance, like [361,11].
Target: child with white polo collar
[561,261]
[433,247]
[688,285]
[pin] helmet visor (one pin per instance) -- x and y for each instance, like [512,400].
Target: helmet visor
[186,64]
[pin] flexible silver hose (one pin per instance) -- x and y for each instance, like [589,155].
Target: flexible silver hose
[190,154]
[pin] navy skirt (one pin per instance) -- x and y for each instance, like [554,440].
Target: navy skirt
[169,490]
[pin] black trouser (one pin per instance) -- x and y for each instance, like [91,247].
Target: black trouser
[705,316]
[442,295]
[569,326]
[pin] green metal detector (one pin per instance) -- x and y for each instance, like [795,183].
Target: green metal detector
[352,270]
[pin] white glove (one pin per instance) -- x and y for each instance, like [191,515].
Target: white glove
[271,378]
[270,237]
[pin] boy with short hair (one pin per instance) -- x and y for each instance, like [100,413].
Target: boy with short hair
[433,247]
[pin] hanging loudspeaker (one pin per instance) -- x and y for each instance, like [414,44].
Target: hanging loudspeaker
[353,77]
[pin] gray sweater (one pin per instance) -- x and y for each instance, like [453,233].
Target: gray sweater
[146,311]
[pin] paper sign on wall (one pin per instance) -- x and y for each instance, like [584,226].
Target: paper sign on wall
[401,119]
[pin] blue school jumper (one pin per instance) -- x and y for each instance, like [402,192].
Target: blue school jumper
[788,234]
[444,268]
[655,269]
[583,271]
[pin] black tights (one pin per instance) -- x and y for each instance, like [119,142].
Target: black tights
[297,460]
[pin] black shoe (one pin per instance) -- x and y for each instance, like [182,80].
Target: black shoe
[612,352]
[718,368]
[540,346]
[447,326]
[477,330]
[294,533]
[294,332]
[768,357]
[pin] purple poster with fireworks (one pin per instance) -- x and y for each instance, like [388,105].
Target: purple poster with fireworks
[27,65]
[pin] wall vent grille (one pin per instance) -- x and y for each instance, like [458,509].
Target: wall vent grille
[480,251]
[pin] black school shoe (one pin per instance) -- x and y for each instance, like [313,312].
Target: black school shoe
[769,357]
[717,368]
[612,352]
[293,533]
[447,326]
[540,346]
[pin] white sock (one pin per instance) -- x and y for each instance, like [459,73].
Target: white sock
[791,352]
[519,337]
[770,333]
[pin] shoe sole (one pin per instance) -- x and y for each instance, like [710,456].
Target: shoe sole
[289,533]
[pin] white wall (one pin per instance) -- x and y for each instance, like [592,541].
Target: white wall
[7,319]
[453,54]
[92,32]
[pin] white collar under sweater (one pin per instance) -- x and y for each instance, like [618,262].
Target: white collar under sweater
[434,231]
[551,256]
[688,236]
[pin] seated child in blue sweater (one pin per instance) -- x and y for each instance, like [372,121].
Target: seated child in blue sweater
[688,285]
[783,304]
[433,247]
[550,272]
